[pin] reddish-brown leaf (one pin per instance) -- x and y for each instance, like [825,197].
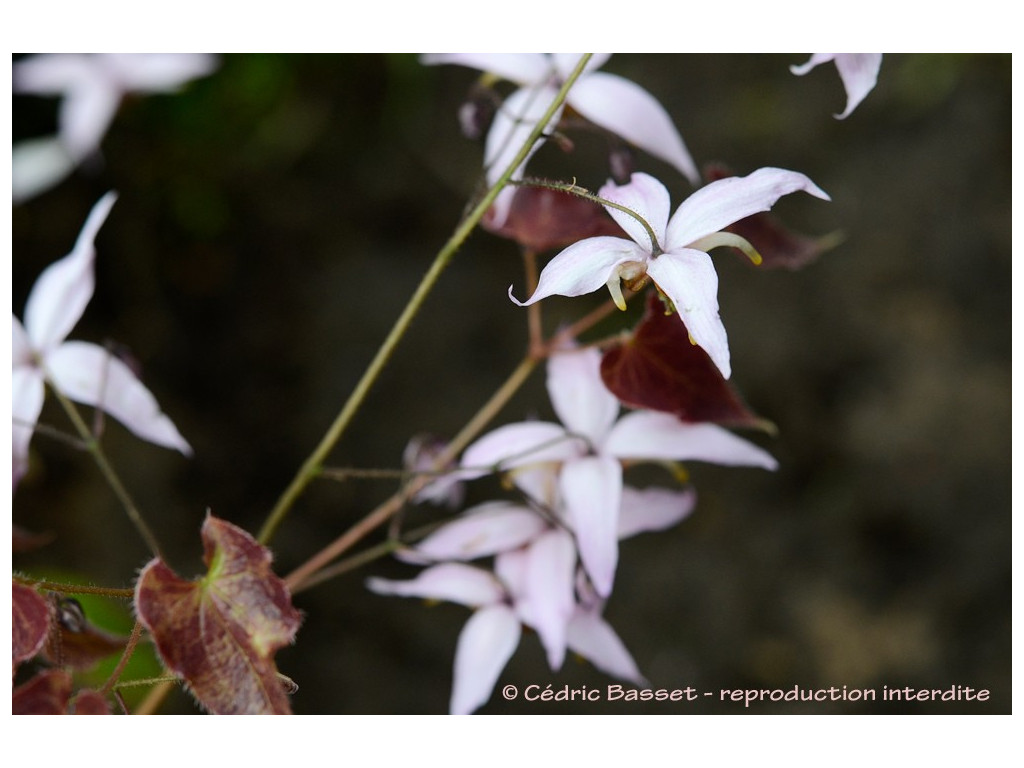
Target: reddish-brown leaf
[74,641]
[543,219]
[45,694]
[89,702]
[30,625]
[779,247]
[220,632]
[659,369]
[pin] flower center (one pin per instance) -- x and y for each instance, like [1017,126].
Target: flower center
[633,273]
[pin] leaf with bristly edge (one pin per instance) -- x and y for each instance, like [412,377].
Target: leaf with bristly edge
[660,369]
[220,632]
[45,694]
[541,219]
[30,623]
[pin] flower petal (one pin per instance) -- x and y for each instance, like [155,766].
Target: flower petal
[859,73]
[565,63]
[485,645]
[481,531]
[714,207]
[583,268]
[38,165]
[580,398]
[688,277]
[87,110]
[520,444]
[592,637]
[27,401]
[63,290]
[157,72]
[90,374]
[658,436]
[653,509]
[512,125]
[592,490]
[811,63]
[455,582]
[546,602]
[521,68]
[628,111]
[647,197]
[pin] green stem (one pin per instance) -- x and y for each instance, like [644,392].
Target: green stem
[93,446]
[74,589]
[312,466]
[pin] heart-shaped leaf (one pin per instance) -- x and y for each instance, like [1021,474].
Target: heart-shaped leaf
[31,623]
[660,369]
[220,632]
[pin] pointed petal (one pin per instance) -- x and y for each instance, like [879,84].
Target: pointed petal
[593,638]
[521,68]
[646,196]
[580,398]
[87,111]
[89,374]
[811,63]
[49,74]
[485,645]
[483,530]
[63,290]
[714,207]
[38,165]
[859,73]
[653,509]
[157,72]
[513,123]
[27,401]
[592,490]
[688,277]
[454,582]
[658,436]
[583,267]
[519,444]
[547,601]
[565,63]
[628,111]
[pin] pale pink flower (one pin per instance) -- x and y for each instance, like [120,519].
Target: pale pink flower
[84,372]
[606,100]
[677,260]
[576,466]
[858,71]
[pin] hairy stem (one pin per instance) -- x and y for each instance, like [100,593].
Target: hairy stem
[313,464]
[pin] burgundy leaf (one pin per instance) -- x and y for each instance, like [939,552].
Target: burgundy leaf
[660,369]
[220,632]
[779,247]
[45,694]
[542,219]
[31,623]
[89,702]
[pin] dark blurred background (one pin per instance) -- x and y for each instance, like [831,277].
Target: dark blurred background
[275,217]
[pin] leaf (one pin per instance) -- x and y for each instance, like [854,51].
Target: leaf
[779,247]
[31,623]
[541,219]
[660,369]
[74,641]
[45,694]
[89,702]
[220,632]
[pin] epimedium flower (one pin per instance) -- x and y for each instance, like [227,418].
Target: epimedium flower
[670,251]
[609,101]
[858,71]
[587,450]
[91,87]
[84,372]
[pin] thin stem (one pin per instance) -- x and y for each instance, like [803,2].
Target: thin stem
[533,319]
[129,649]
[74,589]
[93,446]
[297,579]
[586,194]
[312,466]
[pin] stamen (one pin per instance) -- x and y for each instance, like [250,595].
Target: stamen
[615,289]
[718,239]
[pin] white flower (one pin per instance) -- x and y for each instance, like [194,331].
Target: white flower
[84,372]
[858,71]
[609,101]
[677,259]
